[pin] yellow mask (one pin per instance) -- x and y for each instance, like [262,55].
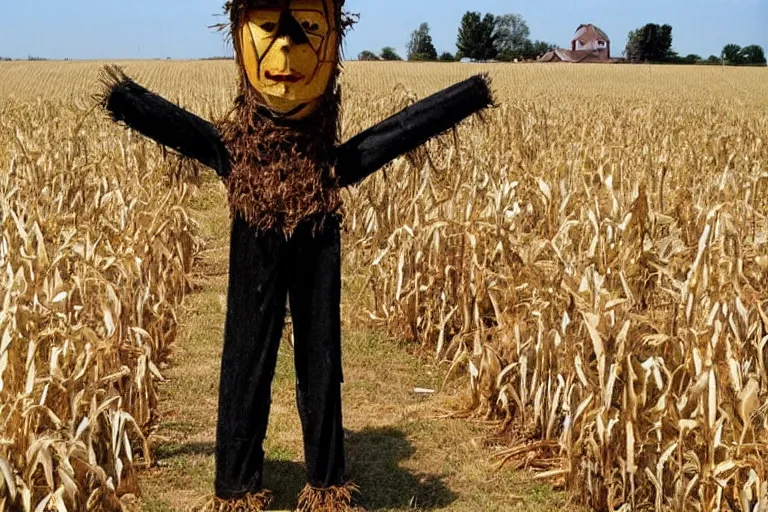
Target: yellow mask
[289,49]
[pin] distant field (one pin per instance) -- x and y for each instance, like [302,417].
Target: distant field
[561,84]
[591,257]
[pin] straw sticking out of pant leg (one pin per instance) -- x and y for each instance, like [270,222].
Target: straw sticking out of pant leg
[331,499]
[248,503]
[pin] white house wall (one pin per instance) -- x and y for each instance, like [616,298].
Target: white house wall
[591,46]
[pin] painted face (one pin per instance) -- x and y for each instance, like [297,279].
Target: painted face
[290,52]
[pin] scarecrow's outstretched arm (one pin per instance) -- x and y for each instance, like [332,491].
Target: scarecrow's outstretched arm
[370,150]
[163,121]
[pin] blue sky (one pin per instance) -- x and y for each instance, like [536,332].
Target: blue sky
[109,29]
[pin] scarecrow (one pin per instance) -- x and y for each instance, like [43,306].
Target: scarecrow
[278,153]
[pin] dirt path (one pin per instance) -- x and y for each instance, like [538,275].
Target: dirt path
[401,456]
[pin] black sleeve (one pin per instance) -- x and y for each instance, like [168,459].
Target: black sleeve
[370,150]
[163,121]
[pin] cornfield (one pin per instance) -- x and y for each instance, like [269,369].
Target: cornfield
[95,252]
[590,257]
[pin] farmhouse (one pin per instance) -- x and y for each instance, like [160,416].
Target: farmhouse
[589,45]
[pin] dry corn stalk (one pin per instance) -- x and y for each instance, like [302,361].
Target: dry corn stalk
[603,283]
[95,249]
[594,257]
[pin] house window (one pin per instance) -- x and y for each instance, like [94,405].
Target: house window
[601,44]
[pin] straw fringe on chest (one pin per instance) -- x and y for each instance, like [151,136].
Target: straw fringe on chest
[282,174]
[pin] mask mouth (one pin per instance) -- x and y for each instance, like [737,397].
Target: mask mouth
[291,77]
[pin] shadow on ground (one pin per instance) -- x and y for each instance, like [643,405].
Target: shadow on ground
[373,463]
[374,458]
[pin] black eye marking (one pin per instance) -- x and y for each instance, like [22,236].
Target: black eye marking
[268,26]
[310,27]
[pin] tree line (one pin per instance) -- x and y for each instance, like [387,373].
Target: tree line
[653,43]
[31,57]
[507,38]
[480,37]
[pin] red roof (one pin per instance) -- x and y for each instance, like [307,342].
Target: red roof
[588,33]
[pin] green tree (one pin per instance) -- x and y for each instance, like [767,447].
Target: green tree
[367,55]
[447,57]
[651,43]
[713,59]
[753,55]
[663,49]
[634,46]
[692,59]
[511,36]
[732,55]
[420,46]
[477,37]
[389,53]
[535,49]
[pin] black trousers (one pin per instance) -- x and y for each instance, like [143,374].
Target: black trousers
[264,269]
